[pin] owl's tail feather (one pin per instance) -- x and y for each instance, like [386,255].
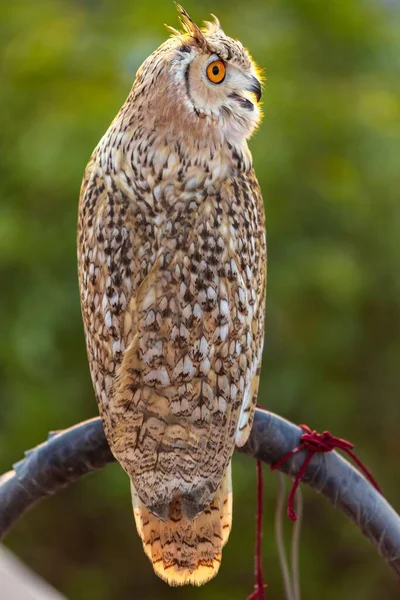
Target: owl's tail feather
[184,551]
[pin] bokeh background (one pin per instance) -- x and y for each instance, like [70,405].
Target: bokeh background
[327,156]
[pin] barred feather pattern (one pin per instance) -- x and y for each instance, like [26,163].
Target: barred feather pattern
[185,551]
[171,255]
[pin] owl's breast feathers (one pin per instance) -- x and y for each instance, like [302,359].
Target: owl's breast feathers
[172,283]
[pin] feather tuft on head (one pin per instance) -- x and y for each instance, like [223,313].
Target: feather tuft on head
[213,26]
[191,29]
[188,25]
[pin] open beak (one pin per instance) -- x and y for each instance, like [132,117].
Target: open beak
[255,87]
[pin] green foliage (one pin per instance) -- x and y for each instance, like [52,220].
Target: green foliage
[327,156]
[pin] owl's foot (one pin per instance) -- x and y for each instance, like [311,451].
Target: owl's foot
[314,442]
[259,586]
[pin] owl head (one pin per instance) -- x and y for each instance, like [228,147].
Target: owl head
[201,81]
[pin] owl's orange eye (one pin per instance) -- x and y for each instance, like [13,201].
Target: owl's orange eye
[216,71]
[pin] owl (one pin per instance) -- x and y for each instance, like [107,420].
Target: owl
[172,270]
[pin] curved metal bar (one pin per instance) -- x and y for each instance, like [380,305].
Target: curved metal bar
[79,450]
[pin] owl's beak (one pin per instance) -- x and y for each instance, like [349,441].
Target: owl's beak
[255,87]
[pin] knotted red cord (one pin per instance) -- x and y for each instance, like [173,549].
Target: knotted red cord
[314,442]
[259,586]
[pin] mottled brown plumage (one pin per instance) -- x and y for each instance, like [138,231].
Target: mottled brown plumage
[171,251]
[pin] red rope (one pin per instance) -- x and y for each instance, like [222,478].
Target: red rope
[259,587]
[314,442]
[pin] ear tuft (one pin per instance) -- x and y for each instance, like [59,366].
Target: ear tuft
[214,26]
[189,26]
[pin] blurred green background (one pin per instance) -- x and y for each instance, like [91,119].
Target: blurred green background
[327,156]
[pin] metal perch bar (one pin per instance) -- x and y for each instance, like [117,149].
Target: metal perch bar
[79,450]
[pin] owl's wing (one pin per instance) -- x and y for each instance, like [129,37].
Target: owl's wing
[255,283]
[174,321]
[116,251]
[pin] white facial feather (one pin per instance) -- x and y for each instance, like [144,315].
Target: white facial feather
[230,106]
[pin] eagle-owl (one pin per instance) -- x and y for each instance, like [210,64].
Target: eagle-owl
[172,268]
